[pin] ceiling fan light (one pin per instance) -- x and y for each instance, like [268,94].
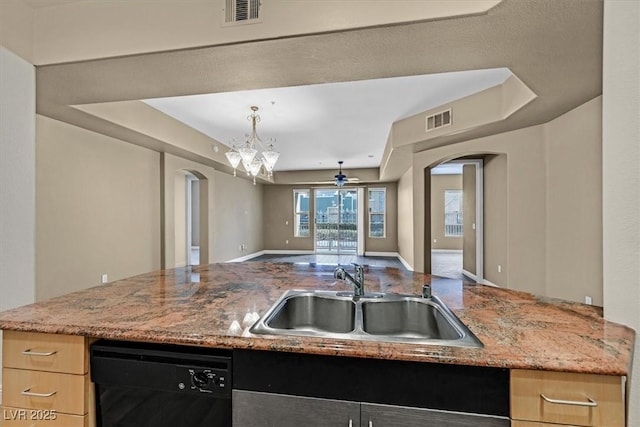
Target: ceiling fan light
[341,178]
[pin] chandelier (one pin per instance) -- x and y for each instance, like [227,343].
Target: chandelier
[341,178]
[248,153]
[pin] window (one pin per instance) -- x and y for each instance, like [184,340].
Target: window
[453,213]
[301,213]
[377,207]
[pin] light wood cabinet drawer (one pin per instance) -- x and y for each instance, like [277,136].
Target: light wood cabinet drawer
[567,398]
[517,423]
[64,393]
[19,417]
[44,352]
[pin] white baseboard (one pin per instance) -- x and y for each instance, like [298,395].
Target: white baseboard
[246,257]
[447,251]
[287,252]
[488,283]
[469,275]
[392,254]
[405,263]
[475,278]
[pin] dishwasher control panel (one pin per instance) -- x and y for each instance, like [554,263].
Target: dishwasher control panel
[206,380]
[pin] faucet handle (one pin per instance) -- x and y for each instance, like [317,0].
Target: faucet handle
[426,291]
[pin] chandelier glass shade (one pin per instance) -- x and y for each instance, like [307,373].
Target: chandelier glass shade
[254,154]
[341,178]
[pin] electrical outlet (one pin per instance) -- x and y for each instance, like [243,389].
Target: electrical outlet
[286,242]
[435,240]
[286,223]
[588,300]
[499,269]
[105,278]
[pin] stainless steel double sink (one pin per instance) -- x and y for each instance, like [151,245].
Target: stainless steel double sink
[373,317]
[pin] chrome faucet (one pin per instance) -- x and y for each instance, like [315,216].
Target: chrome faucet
[357,282]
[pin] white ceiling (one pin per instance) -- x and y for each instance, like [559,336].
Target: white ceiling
[317,125]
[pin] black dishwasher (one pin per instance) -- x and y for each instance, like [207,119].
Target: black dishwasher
[157,385]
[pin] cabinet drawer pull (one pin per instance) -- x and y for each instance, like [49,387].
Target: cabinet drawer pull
[28,352]
[591,402]
[28,392]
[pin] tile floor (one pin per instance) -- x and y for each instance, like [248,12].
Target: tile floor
[444,264]
[447,264]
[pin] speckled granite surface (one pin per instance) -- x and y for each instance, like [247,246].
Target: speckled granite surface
[197,305]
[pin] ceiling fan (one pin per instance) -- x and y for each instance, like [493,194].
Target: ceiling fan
[341,179]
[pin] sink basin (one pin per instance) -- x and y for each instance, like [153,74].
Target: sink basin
[314,313]
[379,317]
[409,318]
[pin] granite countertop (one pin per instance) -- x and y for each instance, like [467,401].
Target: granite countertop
[197,305]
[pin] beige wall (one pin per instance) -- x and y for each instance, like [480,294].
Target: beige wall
[98,209]
[469,218]
[496,220]
[574,205]
[526,199]
[390,242]
[440,183]
[278,210]
[621,176]
[533,202]
[237,217]
[230,212]
[405,217]
[279,220]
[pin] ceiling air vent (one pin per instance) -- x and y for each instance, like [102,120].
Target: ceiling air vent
[241,11]
[438,120]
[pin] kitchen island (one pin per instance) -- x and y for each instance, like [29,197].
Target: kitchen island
[196,306]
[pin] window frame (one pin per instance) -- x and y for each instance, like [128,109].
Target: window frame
[298,214]
[383,213]
[461,204]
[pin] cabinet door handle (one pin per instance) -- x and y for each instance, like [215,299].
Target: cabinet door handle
[28,352]
[590,402]
[28,392]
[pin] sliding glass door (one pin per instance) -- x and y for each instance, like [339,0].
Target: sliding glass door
[336,218]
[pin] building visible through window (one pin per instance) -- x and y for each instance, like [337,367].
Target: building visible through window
[453,213]
[377,209]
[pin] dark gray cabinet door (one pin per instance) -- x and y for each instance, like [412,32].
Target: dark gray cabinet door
[374,415]
[256,409]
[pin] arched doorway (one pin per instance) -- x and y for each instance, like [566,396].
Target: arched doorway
[455,225]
